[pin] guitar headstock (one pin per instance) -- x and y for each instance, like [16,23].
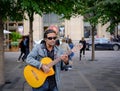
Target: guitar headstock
[77,47]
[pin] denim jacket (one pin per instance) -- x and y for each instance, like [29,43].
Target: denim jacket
[39,52]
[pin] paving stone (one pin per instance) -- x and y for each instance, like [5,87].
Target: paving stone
[100,75]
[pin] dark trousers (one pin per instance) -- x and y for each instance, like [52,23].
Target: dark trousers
[21,55]
[82,51]
[64,66]
[26,54]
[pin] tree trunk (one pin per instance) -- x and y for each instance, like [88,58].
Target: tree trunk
[2,79]
[93,45]
[31,33]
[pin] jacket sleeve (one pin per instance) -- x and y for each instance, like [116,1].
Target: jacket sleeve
[32,58]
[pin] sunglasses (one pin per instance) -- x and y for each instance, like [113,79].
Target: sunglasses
[50,38]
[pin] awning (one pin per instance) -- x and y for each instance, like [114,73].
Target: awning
[6,32]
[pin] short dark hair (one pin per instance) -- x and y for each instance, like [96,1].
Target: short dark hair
[47,32]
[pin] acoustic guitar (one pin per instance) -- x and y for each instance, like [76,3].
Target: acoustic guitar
[36,77]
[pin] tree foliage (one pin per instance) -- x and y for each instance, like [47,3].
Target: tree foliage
[10,9]
[31,7]
[99,11]
[110,10]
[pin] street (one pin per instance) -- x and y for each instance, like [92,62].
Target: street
[100,75]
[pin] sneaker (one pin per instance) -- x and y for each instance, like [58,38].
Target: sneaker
[18,60]
[23,62]
[70,67]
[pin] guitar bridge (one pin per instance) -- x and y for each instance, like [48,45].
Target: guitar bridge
[35,75]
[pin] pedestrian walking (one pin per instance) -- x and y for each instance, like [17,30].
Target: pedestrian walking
[82,51]
[22,49]
[26,43]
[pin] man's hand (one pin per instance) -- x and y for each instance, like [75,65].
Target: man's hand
[45,68]
[64,58]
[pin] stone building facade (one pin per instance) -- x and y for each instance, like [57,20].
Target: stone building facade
[75,27]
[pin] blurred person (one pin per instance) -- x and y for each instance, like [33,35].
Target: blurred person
[26,43]
[54,28]
[64,46]
[67,38]
[47,49]
[57,42]
[22,49]
[83,42]
[71,45]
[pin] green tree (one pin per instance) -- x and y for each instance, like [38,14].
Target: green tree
[109,10]
[8,10]
[14,10]
[98,11]
[90,12]
[31,7]
[41,7]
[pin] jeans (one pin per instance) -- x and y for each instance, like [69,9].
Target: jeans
[45,87]
[21,54]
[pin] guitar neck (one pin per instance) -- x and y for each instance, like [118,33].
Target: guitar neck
[75,48]
[54,62]
[57,60]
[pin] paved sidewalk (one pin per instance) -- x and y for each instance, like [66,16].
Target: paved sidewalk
[100,75]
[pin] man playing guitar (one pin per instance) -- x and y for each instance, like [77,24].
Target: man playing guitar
[47,49]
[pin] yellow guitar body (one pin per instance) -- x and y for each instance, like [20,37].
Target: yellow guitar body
[36,77]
